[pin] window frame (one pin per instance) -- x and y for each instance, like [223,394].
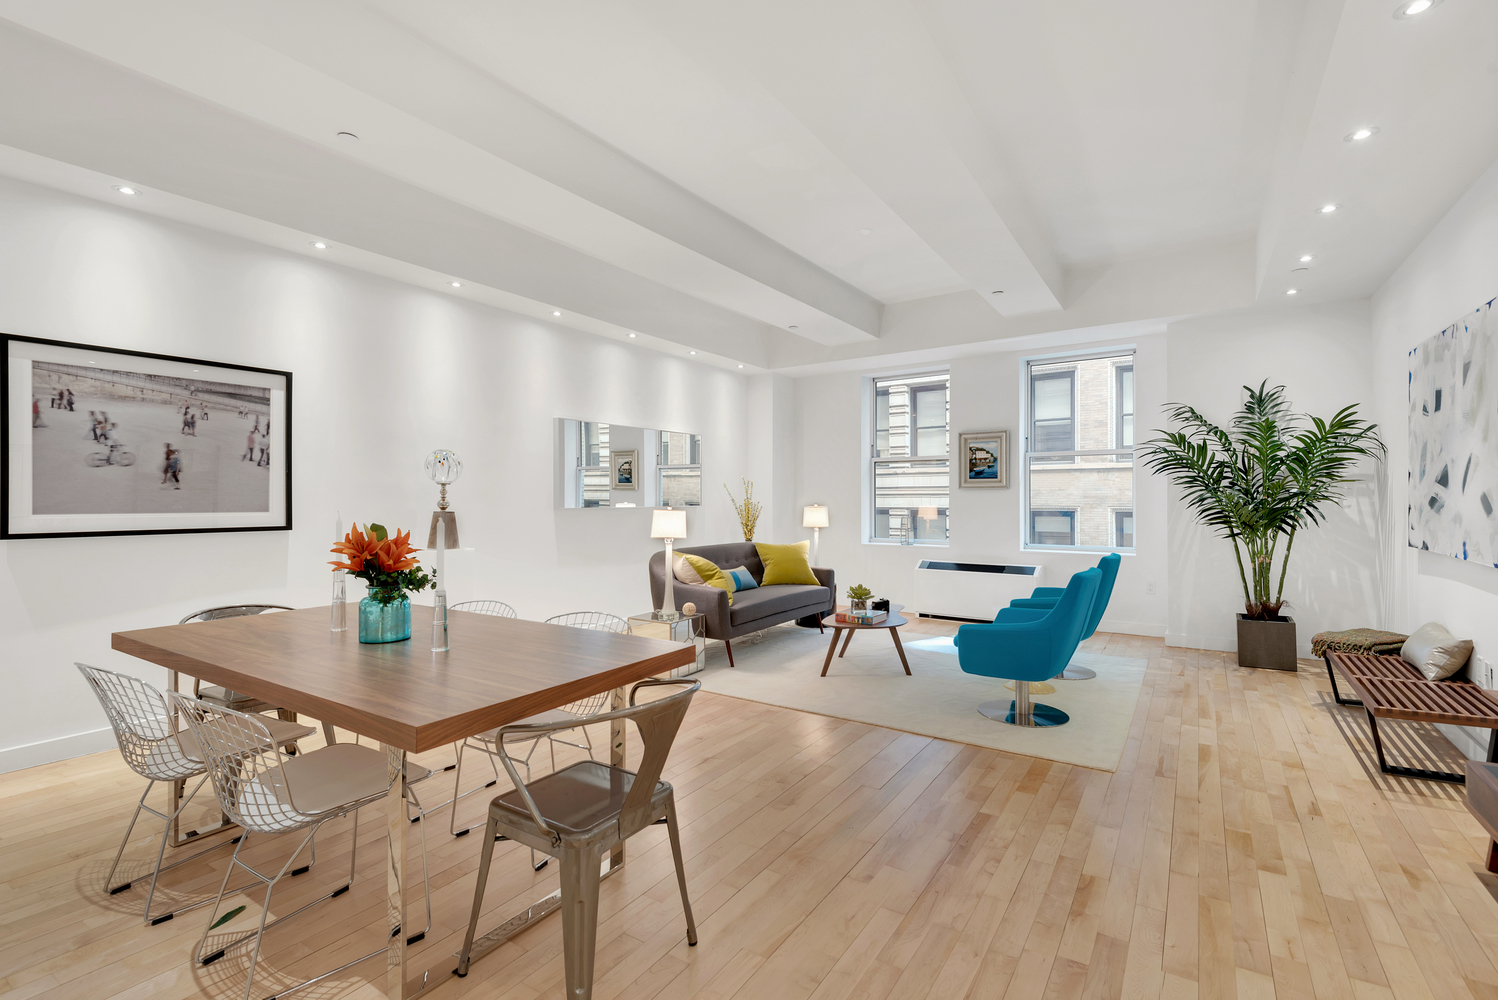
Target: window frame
[1071,379]
[1029,458]
[1071,517]
[1117,513]
[1118,410]
[873,460]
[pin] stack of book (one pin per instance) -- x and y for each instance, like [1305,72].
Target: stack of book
[861,617]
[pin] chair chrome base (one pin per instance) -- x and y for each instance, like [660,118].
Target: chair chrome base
[1039,716]
[1077,674]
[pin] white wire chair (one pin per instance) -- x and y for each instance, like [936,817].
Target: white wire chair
[154,748]
[212,692]
[492,745]
[497,608]
[267,792]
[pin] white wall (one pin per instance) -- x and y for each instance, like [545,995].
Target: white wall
[986,393]
[384,373]
[1454,270]
[1321,355]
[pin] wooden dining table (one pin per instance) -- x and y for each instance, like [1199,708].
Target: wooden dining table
[495,672]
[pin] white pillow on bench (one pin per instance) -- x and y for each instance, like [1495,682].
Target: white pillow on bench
[1436,652]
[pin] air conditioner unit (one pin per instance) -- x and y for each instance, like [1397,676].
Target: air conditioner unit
[970,591]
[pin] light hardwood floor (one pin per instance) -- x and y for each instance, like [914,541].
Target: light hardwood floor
[1243,849]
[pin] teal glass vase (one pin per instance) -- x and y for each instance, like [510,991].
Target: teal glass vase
[384,622]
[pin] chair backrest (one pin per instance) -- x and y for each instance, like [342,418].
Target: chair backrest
[142,725]
[1108,566]
[244,765]
[658,723]
[231,611]
[598,621]
[497,608]
[1031,651]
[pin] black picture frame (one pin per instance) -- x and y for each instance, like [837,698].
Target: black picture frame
[17,520]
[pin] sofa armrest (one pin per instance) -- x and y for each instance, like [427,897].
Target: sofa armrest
[712,604]
[828,579]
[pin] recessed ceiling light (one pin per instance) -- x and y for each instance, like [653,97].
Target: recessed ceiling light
[1306,258]
[741,366]
[1292,291]
[195,371]
[1299,270]
[123,189]
[556,312]
[1413,8]
[319,246]
[793,326]
[691,352]
[999,291]
[1359,135]
[631,336]
[865,232]
[348,137]
[1328,209]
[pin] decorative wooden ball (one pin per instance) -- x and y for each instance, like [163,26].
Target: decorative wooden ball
[689,608]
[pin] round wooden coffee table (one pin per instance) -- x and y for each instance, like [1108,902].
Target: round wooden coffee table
[891,623]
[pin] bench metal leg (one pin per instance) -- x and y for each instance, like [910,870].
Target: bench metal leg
[1415,772]
[1337,695]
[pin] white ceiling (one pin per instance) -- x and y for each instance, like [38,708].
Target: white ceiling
[759,179]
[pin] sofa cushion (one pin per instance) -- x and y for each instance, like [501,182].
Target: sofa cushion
[742,578]
[710,575]
[1437,652]
[766,602]
[787,564]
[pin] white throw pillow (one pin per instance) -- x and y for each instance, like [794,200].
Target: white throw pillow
[1437,652]
[684,571]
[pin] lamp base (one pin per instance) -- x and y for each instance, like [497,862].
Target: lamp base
[450,518]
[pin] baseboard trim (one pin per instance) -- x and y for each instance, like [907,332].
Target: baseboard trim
[61,748]
[1222,644]
[1131,628]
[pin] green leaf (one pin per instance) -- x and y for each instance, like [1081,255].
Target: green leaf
[227,917]
[378,530]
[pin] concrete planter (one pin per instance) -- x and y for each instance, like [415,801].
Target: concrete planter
[1269,644]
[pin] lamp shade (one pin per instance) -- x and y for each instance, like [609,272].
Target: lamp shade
[814,516]
[668,523]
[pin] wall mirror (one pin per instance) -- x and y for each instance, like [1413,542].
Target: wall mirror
[615,465]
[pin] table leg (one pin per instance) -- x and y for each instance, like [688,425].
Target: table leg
[846,641]
[619,701]
[894,634]
[395,873]
[832,649]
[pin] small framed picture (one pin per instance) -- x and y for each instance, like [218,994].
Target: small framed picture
[983,460]
[625,465]
[101,441]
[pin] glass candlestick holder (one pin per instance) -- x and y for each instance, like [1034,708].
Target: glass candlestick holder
[439,623]
[339,621]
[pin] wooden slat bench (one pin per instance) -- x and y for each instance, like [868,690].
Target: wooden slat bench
[1391,688]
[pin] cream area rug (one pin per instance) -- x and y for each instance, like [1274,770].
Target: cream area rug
[868,685]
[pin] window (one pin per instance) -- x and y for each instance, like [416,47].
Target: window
[911,468]
[1053,527]
[1124,405]
[1079,452]
[679,469]
[593,452]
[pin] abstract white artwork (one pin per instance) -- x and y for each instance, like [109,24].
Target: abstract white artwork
[1453,476]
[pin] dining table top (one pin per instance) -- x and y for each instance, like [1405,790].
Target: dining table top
[495,672]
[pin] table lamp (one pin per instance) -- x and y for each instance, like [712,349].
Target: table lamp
[814,516]
[670,525]
[444,467]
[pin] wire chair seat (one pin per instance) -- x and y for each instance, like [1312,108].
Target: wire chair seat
[213,692]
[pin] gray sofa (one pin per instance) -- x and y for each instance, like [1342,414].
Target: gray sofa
[752,610]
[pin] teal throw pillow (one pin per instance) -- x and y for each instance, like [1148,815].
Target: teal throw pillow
[742,579]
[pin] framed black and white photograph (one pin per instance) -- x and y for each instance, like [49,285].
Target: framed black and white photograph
[100,441]
[625,465]
[983,460]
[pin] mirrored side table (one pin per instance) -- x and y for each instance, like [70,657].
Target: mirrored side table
[682,628]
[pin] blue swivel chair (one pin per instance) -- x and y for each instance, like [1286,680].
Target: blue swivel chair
[1044,599]
[1025,651]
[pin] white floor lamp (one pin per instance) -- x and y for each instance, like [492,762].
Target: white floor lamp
[814,516]
[670,525]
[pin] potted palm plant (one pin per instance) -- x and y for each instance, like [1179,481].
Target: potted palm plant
[1267,476]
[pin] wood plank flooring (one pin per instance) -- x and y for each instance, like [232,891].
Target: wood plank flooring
[1245,848]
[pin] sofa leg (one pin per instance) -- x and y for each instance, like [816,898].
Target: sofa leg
[729,646]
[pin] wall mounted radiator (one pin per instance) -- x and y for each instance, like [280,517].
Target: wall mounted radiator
[970,591]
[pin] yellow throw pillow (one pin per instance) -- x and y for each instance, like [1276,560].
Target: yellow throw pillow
[711,575]
[787,564]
